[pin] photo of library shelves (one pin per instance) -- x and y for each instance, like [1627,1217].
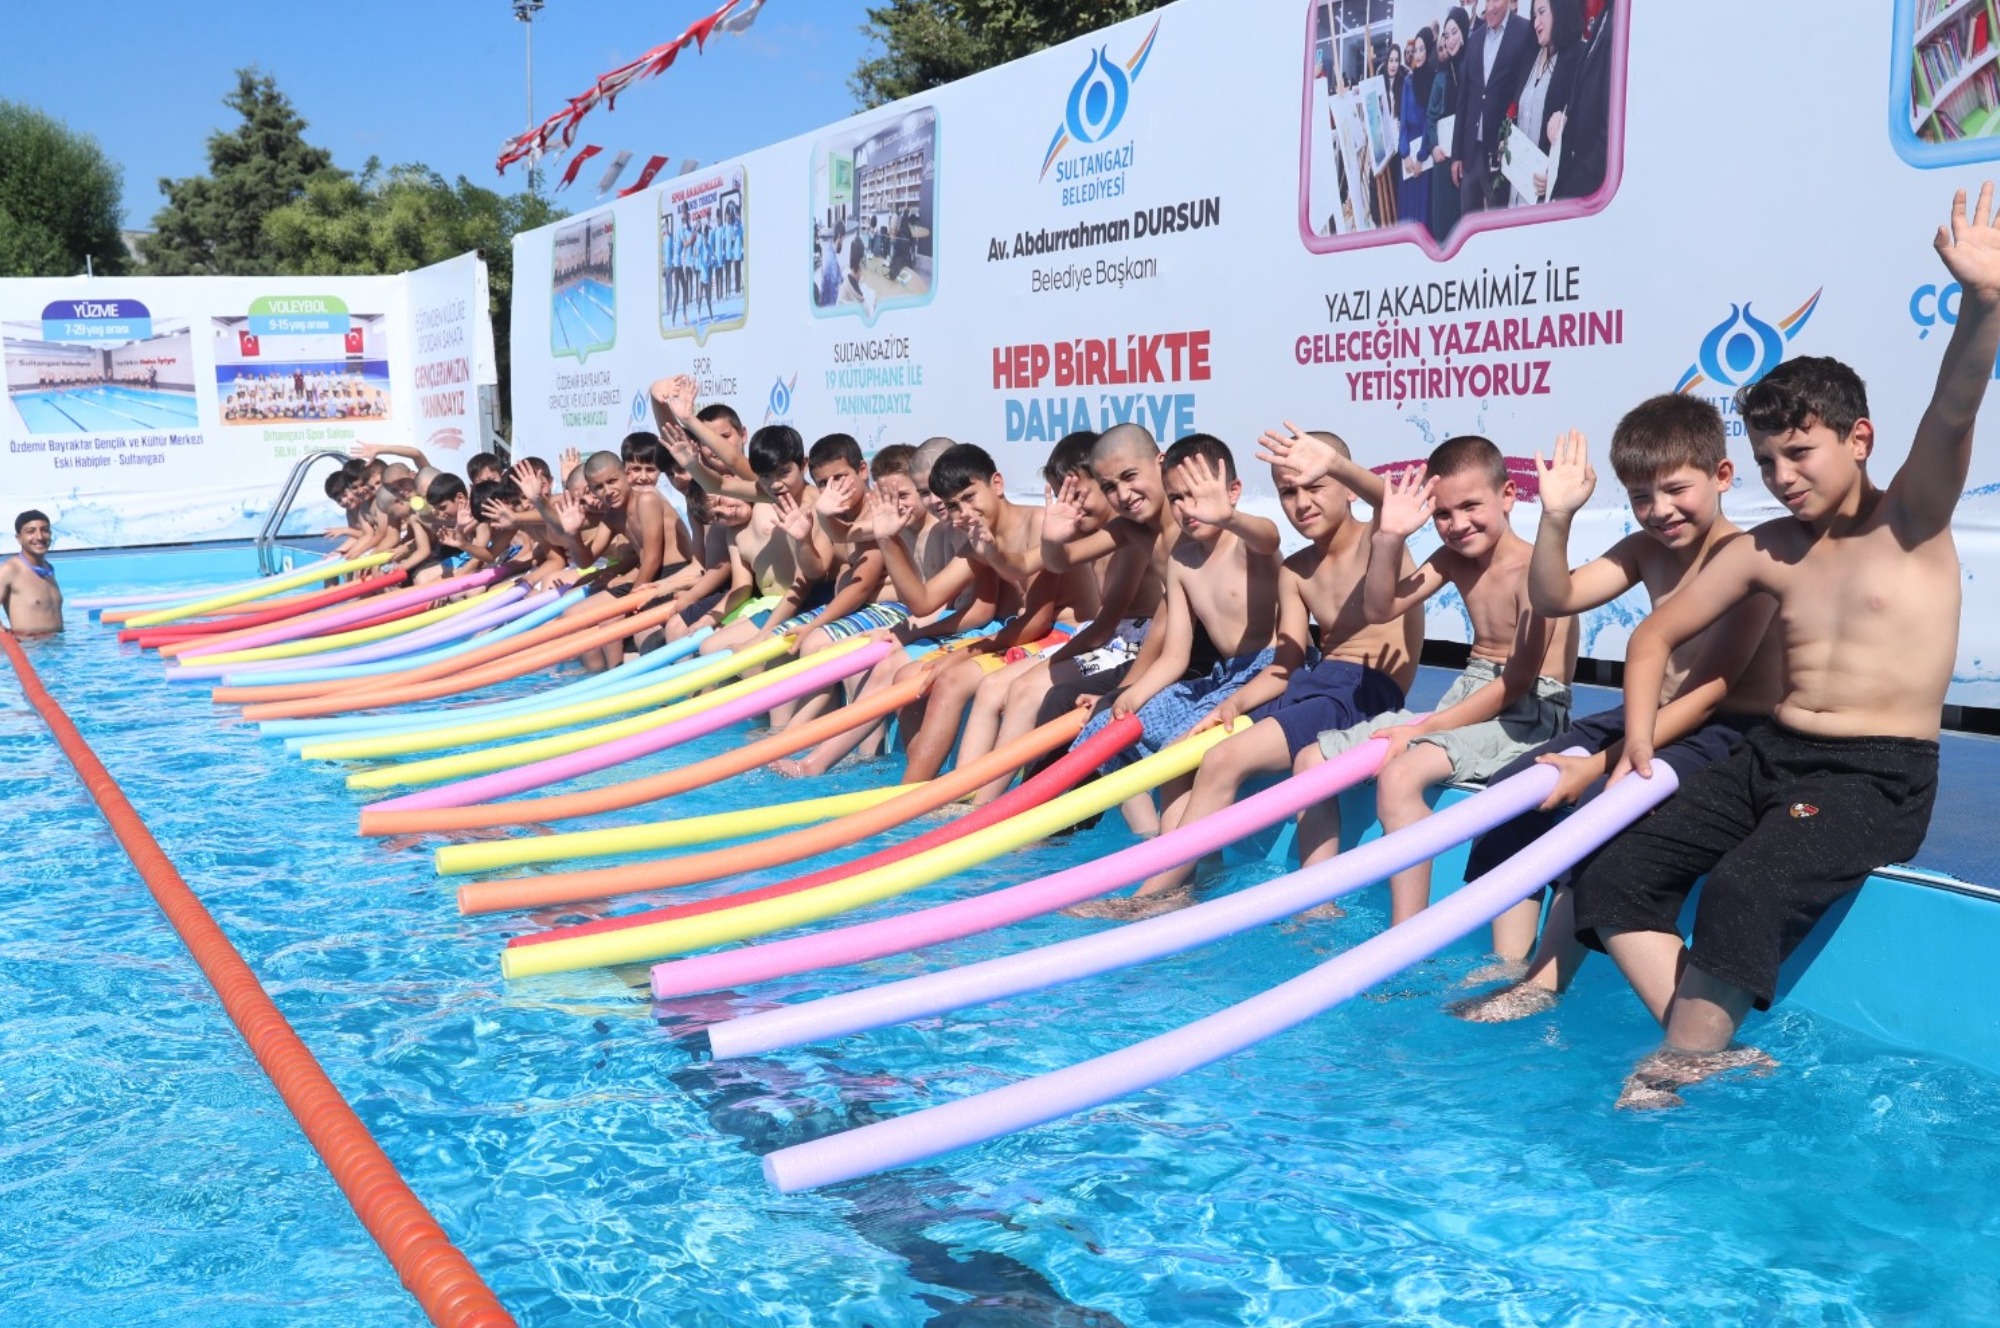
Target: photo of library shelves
[1955,83]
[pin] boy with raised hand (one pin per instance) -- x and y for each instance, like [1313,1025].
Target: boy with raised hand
[1003,547]
[29,595]
[1224,576]
[1514,693]
[784,579]
[1365,668]
[1867,586]
[1671,454]
[727,581]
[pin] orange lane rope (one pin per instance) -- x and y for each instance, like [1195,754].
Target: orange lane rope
[436,1273]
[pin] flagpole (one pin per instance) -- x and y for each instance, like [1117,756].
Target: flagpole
[525,11]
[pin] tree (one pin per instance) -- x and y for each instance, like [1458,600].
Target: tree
[927,43]
[386,221]
[214,224]
[60,199]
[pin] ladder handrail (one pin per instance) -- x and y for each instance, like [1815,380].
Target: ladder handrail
[282,508]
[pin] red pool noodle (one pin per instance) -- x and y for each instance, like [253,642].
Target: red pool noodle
[1059,778]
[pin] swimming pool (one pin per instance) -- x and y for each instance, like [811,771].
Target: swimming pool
[1382,1164]
[89,409]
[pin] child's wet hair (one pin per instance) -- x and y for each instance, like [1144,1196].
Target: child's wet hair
[641,447]
[894,459]
[835,447]
[961,464]
[32,514]
[1206,446]
[541,468]
[337,484]
[444,489]
[774,447]
[1070,456]
[1662,434]
[483,461]
[1468,451]
[1797,394]
[715,410]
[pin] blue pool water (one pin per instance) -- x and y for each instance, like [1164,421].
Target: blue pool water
[582,317]
[1384,1164]
[103,409]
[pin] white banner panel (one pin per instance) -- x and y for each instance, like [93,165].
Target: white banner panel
[169,409]
[1222,215]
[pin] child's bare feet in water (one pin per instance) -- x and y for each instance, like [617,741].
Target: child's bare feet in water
[1133,907]
[1655,1083]
[1500,970]
[1323,912]
[1516,1000]
[793,768]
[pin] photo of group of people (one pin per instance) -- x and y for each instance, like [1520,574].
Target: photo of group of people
[1421,113]
[583,302]
[874,198]
[269,378]
[97,386]
[701,254]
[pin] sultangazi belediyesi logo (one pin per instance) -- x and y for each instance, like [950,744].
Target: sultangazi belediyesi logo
[1743,347]
[778,406]
[1097,100]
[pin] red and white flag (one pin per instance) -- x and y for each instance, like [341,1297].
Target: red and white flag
[646,174]
[576,164]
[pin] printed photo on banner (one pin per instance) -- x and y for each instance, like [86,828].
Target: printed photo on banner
[1427,122]
[296,359]
[583,300]
[702,238]
[99,366]
[1945,82]
[874,198]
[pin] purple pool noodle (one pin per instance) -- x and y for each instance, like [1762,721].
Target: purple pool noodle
[502,608]
[1046,1097]
[999,908]
[1121,947]
[369,607]
[555,769]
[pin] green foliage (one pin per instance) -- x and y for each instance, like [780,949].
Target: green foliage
[386,221]
[213,224]
[59,199]
[927,43]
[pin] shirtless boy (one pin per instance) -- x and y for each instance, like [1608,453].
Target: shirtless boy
[1867,586]
[1514,692]
[1671,454]
[784,590]
[1224,576]
[1364,670]
[29,594]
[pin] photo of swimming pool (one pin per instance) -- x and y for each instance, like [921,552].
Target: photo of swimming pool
[104,410]
[1381,1164]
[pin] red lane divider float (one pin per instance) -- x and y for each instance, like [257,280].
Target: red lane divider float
[436,1273]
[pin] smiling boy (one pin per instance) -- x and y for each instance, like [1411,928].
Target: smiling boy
[29,594]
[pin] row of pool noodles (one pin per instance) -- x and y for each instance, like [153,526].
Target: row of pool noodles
[317,648]
[169,599]
[531,612]
[941,1129]
[244,618]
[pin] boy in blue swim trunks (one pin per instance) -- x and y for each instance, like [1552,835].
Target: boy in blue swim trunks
[1364,670]
[1224,576]
[1671,454]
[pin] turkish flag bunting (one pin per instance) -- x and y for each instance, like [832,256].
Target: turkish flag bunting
[646,174]
[576,164]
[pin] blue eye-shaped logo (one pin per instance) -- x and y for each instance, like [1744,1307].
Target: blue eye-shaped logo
[1740,349]
[1097,101]
[780,404]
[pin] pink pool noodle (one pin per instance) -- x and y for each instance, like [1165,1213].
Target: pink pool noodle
[539,774]
[502,608]
[368,608]
[168,598]
[1047,1097]
[1121,947]
[999,908]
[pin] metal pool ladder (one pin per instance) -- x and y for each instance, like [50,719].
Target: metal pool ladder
[267,538]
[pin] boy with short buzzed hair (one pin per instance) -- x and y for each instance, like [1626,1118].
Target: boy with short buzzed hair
[1365,668]
[29,595]
[1224,576]
[1841,782]
[1514,693]
[1671,454]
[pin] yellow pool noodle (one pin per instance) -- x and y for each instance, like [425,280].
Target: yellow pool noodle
[487,759]
[458,859]
[271,587]
[661,940]
[315,645]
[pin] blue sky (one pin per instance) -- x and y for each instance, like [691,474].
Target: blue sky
[435,81]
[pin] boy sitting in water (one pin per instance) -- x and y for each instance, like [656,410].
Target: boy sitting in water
[1224,576]
[1366,667]
[1514,692]
[1867,586]
[1671,454]
[726,581]
[783,590]
[29,595]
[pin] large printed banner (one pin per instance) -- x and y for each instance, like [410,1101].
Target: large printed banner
[168,409]
[1356,214]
